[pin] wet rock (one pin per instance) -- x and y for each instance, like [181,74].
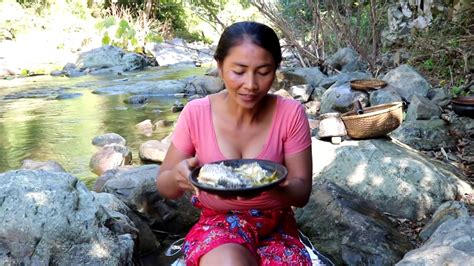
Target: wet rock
[51,166]
[177,107]
[108,138]
[136,99]
[133,61]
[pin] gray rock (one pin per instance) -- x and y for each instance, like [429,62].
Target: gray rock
[102,57]
[342,78]
[348,229]
[53,219]
[108,138]
[386,95]
[148,242]
[346,60]
[451,244]
[204,85]
[160,87]
[51,166]
[426,135]
[341,98]
[136,99]
[133,61]
[317,93]
[407,81]
[421,108]
[439,96]
[136,187]
[311,75]
[397,179]
[301,93]
[172,52]
[448,211]
[65,96]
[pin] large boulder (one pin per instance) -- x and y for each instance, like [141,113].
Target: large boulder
[102,57]
[408,82]
[349,229]
[51,218]
[396,178]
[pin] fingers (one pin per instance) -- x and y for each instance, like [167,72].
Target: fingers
[183,170]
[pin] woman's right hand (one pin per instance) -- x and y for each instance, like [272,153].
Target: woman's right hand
[183,170]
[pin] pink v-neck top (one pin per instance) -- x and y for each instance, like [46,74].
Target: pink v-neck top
[194,135]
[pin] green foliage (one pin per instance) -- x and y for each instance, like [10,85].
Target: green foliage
[428,65]
[124,35]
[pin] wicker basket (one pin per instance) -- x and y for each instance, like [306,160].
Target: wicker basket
[376,121]
[367,84]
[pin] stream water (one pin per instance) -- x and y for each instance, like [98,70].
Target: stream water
[36,125]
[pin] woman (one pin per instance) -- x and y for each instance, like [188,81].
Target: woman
[243,121]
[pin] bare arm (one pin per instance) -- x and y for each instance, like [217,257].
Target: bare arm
[172,180]
[296,189]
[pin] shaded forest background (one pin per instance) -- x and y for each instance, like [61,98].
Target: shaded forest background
[311,29]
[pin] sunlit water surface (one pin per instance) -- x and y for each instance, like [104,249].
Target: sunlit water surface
[44,129]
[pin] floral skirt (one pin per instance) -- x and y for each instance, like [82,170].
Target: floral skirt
[270,235]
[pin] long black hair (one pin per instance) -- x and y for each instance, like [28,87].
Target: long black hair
[258,33]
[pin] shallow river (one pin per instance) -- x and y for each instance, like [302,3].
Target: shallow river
[41,128]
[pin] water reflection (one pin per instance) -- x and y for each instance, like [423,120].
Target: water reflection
[62,130]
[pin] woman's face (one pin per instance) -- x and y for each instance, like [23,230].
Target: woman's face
[248,71]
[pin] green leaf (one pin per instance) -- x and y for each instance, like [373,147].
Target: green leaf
[123,24]
[106,39]
[134,41]
[119,33]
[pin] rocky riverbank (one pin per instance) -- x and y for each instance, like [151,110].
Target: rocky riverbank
[374,201]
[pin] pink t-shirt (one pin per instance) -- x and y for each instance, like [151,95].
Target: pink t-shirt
[194,135]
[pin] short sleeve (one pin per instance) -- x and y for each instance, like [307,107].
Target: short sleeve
[299,135]
[182,139]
